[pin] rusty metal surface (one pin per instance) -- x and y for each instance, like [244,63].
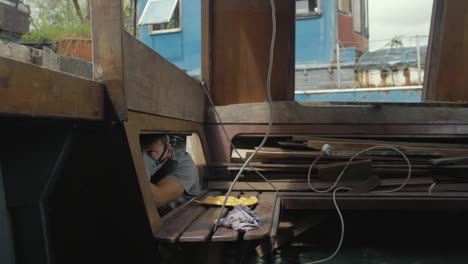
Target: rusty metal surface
[30,90]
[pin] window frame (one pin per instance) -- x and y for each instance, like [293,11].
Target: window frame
[310,15]
[170,30]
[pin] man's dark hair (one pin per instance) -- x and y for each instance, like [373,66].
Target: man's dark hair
[148,139]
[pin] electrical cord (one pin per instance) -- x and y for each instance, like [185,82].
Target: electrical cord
[326,151]
[232,144]
[270,121]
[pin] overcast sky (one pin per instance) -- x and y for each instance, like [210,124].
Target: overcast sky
[388,18]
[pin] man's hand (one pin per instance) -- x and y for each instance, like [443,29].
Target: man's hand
[165,191]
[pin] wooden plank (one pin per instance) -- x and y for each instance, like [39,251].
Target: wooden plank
[296,113]
[357,170]
[48,93]
[395,201]
[206,50]
[107,31]
[174,225]
[448,52]
[407,147]
[156,86]
[171,231]
[368,185]
[304,186]
[224,233]
[431,71]
[167,217]
[241,37]
[297,228]
[266,210]
[449,161]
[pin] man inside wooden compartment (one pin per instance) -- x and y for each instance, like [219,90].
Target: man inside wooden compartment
[172,172]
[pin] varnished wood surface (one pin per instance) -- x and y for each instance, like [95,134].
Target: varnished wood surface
[30,90]
[240,43]
[156,86]
[265,209]
[108,61]
[448,52]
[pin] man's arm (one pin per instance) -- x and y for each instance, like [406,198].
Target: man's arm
[165,191]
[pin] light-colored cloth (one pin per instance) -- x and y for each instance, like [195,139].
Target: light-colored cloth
[241,218]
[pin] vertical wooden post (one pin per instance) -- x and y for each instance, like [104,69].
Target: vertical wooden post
[445,79]
[107,33]
[206,14]
[240,43]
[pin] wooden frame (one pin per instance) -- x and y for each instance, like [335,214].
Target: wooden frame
[139,123]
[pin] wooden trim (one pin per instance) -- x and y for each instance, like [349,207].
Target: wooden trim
[296,113]
[207,34]
[108,61]
[156,86]
[434,50]
[27,89]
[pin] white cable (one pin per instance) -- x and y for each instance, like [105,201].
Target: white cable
[344,188]
[349,162]
[270,121]
[232,144]
[342,228]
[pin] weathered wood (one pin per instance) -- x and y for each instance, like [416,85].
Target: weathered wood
[298,227]
[448,49]
[48,93]
[449,161]
[304,186]
[107,31]
[173,213]
[170,232]
[407,147]
[156,86]
[139,123]
[206,49]
[224,233]
[301,113]
[368,185]
[203,227]
[241,36]
[388,201]
[434,51]
[357,170]
[266,210]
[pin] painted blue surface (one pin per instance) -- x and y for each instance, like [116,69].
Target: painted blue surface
[182,48]
[406,96]
[316,36]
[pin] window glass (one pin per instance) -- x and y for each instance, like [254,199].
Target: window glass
[308,8]
[344,6]
[357,16]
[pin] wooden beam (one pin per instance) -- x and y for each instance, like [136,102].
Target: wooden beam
[107,32]
[241,37]
[30,90]
[296,113]
[448,52]
[156,86]
[207,34]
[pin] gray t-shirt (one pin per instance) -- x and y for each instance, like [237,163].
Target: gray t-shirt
[180,168]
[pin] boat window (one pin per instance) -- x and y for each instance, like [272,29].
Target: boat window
[308,8]
[162,16]
[344,6]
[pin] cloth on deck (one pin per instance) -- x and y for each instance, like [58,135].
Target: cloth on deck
[241,218]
